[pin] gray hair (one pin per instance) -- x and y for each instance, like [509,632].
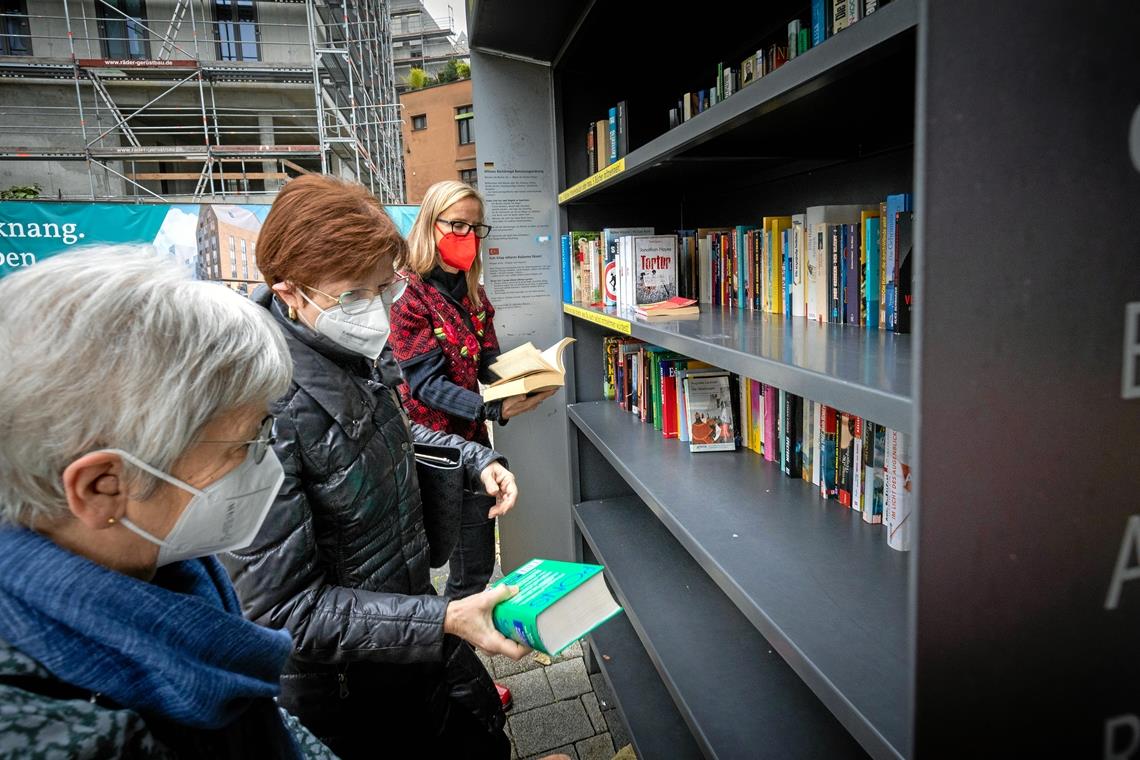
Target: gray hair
[113,347]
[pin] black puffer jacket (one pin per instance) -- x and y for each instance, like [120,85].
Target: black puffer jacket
[341,560]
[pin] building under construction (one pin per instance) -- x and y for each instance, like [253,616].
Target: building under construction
[196,100]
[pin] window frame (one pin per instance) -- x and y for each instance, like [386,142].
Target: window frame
[464,116]
[423,126]
[138,24]
[8,37]
[236,47]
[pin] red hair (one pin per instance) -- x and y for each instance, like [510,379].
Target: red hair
[323,228]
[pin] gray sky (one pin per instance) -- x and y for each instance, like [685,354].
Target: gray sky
[438,10]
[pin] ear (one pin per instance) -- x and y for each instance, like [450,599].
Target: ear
[289,294]
[95,489]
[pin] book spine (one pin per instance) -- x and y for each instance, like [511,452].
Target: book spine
[834,277]
[818,22]
[613,135]
[882,265]
[567,272]
[782,427]
[591,158]
[843,462]
[889,481]
[870,6]
[786,259]
[851,302]
[793,466]
[857,466]
[872,508]
[853,11]
[738,254]
[839,15]
[793,37]
[807,439]
[770,422]
[900,504]
[804,42]
[871,272]
[828,424]
[622,130]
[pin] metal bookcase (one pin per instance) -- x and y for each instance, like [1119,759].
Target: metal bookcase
[761,620]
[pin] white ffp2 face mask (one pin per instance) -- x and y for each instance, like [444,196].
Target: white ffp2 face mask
[364,333]
[223,516]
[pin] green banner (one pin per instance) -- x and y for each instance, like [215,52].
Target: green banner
[32,231]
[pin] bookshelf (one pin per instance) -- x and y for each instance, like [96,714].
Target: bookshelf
[761,620]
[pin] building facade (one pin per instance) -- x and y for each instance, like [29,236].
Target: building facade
[439,136]
[227,246]
[420,41]
[191,100]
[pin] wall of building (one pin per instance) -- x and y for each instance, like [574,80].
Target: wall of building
[434,153]
[283,30]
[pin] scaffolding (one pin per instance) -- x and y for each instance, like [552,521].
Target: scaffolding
[155,123]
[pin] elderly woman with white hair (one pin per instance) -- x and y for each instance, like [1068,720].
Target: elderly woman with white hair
[134,443]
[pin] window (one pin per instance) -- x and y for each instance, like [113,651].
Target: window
[15,36]
[465,117]
[123,37]
[470,177]
[233,259]
[244,261]
[236,22]
[419,122]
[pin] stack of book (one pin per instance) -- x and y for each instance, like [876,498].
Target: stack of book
[607,139]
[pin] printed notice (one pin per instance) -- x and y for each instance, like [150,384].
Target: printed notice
[521,254]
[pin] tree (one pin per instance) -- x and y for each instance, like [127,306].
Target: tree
[417,79]
[464,70]
[449,73]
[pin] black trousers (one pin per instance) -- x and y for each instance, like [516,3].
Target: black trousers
[473,559]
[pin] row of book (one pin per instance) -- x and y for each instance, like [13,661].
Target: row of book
[844,264]
[859,464]
[624,267]
[607,140]
[827,18]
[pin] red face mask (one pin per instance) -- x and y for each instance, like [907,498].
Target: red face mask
[458,252]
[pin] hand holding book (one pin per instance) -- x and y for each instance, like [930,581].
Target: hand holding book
[470,619]
[513,406]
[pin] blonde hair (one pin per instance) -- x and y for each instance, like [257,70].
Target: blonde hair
[422,254]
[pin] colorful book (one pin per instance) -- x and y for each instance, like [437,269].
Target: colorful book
[872,507]
[583,251]
[852,276]
[798,259]
[896,204]
[611,272]
[845,458]
[741,254]
[654,268]
[622,130]
[857,466]
[870,298]
[612,136]
[567,272]
[708,406]
[808,439]
[557,603]
[793,435]
[828,436]
[878,469]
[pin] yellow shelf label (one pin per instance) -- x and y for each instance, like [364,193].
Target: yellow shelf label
[593,180]
[605,320]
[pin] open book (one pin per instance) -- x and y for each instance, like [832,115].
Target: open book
[557,604]
[525,370]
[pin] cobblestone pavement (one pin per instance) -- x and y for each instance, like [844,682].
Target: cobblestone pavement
[558,706]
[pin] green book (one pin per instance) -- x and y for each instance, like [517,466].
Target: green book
[557,604]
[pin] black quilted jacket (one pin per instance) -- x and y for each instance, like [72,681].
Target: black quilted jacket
[341,561]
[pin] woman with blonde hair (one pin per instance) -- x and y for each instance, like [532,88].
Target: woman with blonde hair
[443,336]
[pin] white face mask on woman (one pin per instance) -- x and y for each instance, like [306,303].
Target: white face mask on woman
[225,515]
[365,332]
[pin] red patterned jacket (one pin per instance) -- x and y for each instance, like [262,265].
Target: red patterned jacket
[430,332]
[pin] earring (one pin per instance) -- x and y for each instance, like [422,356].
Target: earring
[292,314]
[110,520]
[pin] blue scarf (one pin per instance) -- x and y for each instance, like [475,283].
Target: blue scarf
[176,648]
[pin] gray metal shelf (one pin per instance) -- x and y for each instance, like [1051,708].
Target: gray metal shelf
[707,653]
[865,372]
[819,584]
[657,729]
[804,74]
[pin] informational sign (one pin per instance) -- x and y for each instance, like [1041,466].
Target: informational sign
[521,255]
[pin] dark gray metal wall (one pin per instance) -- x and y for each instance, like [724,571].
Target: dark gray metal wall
[1030,205]
[514,130]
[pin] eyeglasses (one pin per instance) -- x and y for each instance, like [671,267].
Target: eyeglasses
[259,445]
[359,300]
[463,229]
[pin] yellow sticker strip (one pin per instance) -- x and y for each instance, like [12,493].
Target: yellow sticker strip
[592,181]
[605,320]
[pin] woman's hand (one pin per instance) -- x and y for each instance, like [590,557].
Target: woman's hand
[470,619]
[516,405]
[500,483]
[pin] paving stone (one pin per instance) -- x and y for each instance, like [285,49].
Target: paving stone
[572,651]
[599,747]
[591,702]
[505,666]
[567,750]
[618,732]
[605,697]
[556,725]
[568,679]
[626,753]
[528,690]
